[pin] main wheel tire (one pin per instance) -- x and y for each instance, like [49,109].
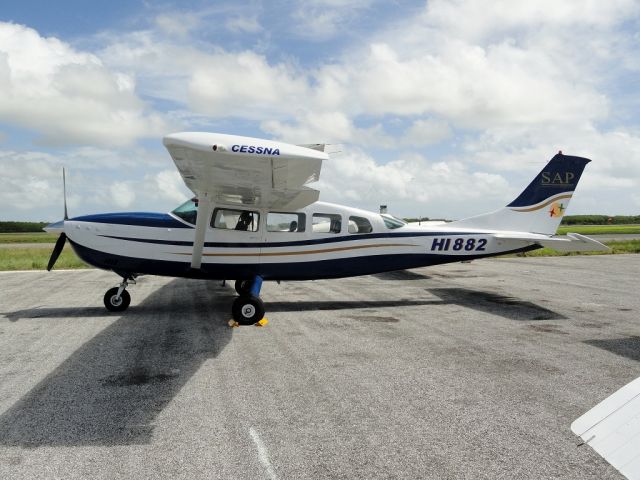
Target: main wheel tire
[247,309]
[243,287]
[115,304]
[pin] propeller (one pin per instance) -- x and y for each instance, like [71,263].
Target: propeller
[57,249]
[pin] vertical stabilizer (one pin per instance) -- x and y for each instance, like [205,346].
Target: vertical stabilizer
[541,206]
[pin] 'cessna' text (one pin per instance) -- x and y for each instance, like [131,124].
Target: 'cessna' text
[256,150]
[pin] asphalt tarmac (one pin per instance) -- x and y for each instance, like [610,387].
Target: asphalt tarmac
[457,371]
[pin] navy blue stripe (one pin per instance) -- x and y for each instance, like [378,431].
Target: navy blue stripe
[150,240]
[318,241]
[138,219]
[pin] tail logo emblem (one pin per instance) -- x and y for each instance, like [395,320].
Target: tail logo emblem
[550,178]
[557,209]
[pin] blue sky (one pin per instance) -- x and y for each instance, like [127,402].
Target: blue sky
[441,108]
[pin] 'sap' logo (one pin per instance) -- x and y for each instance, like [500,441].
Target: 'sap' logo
[557,178]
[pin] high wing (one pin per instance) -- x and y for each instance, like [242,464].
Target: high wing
[247,171]
[235,170]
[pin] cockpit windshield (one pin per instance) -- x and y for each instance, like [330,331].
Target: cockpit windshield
[188,211]
[392,222]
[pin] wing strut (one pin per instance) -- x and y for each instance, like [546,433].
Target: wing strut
[205,207]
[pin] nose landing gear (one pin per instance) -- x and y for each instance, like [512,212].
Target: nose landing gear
[117,299]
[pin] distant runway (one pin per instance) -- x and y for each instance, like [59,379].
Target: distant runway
[457,371]
[27,245]
[618,237]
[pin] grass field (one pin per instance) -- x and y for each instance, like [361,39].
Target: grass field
[37,259]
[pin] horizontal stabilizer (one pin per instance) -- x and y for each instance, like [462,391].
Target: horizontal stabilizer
[573,242]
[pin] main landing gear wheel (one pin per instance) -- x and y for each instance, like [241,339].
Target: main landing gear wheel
[115,302]
[243,287]
[247,310]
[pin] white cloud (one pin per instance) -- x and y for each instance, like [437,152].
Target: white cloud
[244,85]
[412,185]
[312,127]
[427,132]
[67,96]
[168,185]
[476,20]
[175,23]
[122,194]
[243,24]
[320,20]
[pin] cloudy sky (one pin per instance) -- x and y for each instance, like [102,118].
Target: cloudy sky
[439,108]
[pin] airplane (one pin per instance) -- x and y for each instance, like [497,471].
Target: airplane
[253,218]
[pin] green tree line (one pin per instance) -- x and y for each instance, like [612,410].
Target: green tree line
[601,220]
[20,227]
[580,220]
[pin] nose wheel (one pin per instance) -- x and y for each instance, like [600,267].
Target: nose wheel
[117,299]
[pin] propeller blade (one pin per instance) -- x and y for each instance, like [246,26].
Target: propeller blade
[64,192]
[57,250]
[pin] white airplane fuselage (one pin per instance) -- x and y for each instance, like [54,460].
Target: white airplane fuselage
[331,241]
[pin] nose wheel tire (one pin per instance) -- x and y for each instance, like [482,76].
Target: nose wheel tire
[247,309]
[115,303]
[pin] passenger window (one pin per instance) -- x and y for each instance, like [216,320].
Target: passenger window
[285,222]
[359,225]
[326,223]
[243,220]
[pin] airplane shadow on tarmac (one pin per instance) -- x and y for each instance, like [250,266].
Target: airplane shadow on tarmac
[109,391]
[490,302]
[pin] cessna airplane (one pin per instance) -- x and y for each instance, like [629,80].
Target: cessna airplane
[254,218]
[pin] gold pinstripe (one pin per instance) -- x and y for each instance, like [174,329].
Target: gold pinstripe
[302,252]
[545,204]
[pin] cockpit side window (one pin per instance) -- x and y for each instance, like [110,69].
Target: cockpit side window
[188,211]
[392,222]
